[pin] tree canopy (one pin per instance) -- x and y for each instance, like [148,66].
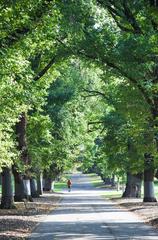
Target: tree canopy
[79,72]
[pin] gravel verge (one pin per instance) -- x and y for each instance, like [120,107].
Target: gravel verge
[147,211]
[18,223]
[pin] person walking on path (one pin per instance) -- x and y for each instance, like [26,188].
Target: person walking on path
[69,183]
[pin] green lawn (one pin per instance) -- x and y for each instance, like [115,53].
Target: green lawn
[95,179]
[97,182]
[58,186]
[61,184]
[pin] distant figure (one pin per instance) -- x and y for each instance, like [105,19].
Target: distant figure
[69,183]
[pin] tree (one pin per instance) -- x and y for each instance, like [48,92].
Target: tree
[112,29]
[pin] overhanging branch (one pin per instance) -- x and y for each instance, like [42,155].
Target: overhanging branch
[95,93]
[113,65]
[45,69]
[20,32]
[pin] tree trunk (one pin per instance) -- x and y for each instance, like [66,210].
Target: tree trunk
[107,180]
[22,183]
[34,191]
[40,184]
[21,138]
[138,182]
[53,183]
[7,200]
[127,191]
[19,195]
[22,187]
[149,194]
[118,184]
[133,186]
[156,173]
[113,181]
[47,184]
[27,189]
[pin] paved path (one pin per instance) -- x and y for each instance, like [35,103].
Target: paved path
[84,215]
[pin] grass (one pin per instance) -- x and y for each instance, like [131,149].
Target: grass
[58,186]
[62,183]
[109,191]
[112,194]
[97,182]
[95,179]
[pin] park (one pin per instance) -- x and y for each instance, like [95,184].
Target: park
[78,100]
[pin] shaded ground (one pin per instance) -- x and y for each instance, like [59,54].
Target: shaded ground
[18,223]
[84,215]
[147,211]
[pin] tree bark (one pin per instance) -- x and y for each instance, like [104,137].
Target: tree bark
[127,191]
[34,191]
[47,184]
[106,180]
[149,194]
[133,186]
[21,138]
[113,181]
[19,195]
[53,183]
[22,182]
[7,200]
[138,181]
[40,184]
[27,189]
[22,187]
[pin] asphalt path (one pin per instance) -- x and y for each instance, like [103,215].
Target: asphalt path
[84,214]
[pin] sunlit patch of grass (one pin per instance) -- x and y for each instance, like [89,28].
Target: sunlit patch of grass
[97,182]
[59,186]
[112,194]
[62,183]
[95,179]
[92,174]
[109,191]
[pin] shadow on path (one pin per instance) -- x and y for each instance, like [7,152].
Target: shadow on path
[83,214]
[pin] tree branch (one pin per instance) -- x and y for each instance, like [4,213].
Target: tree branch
[110,64]
[45,69]
[132,80]
[18,33]
[130,18]
[96,93]
[50,63]
[123,28]
[106,61]
[94,123]
[123,13]
[94,128]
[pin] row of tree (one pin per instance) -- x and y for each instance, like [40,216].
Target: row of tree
[71,71]
[121,37]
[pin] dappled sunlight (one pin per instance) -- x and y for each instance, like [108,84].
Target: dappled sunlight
[93,230]
[84,214]
[87,192]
